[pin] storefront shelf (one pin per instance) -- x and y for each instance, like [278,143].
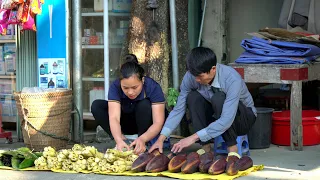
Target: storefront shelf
[11,119]
[7,77]
[88,78]
[101,46]
[7,40]
[90,14]
[92,46]
[92,79]
[88,116]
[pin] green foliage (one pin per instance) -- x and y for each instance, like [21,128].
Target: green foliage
[172,97]
[20,158]
[15,162]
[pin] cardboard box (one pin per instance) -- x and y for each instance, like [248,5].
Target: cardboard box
[8,111]
[122,32]
[6,86]
[124,24]
[2,68]
[94,40]
[9,48]
[10,64]
[6,108]
[89,32]
[85,40]
[11,30]
[1,53]
[98,5]
[14,111]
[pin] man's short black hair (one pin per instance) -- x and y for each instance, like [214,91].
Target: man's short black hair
[200,60]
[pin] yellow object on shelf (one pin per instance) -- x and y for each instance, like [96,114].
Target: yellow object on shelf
[99,73]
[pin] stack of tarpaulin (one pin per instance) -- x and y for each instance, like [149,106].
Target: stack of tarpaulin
[295,42]
[20,12]
[279,46]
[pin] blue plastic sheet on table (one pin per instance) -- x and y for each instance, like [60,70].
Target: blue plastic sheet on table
[276,48]
[249,58]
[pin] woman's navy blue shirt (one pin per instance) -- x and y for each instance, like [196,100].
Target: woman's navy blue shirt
[151,90]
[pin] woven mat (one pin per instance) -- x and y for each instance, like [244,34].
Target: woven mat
[165,173]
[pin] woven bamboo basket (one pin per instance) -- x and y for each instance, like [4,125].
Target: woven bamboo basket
[45,118]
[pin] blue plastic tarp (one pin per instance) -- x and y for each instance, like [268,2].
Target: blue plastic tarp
[278,48]
[259,50]
[249,58]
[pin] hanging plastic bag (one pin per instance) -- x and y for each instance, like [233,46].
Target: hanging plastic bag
[18,1]
[29,24]
[13,17]
[23,12]
[8,4]
[35,6]
[3,28]
[4,15]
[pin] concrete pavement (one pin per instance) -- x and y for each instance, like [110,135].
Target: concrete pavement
[280,163]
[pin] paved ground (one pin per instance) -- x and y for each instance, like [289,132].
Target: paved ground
[280,163]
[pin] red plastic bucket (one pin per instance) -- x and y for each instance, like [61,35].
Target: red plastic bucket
[281,127]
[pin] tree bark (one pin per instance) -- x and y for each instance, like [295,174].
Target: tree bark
[147,38]
[182,35]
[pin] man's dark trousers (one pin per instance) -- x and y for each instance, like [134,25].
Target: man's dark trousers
[203,113]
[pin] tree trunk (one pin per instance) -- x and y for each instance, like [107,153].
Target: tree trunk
[182,35]
[147,38]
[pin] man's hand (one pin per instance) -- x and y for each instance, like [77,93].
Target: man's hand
[122,145]
[158,144]
[185,142]
[140,146]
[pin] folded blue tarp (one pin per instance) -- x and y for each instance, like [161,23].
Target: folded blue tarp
[259,50]
[249,58]
[278,48]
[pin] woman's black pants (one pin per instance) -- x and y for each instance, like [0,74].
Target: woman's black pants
[137,122]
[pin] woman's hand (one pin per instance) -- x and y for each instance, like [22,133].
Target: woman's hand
[122,145]
[140,146]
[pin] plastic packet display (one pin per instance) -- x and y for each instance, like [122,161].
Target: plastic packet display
[8,4]
[4,15]
[13,19]
[29,24]
[18,1]
[35,6]
[3,28]
[23,12]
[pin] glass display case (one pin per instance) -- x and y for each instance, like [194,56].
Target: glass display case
[93,44]
[8,110]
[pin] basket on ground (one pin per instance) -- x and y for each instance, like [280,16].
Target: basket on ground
[45,118]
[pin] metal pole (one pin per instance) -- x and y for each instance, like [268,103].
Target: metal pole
[201,27]
[68,42]
[77,69]
[18,79]
[175,68]
[106,47]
